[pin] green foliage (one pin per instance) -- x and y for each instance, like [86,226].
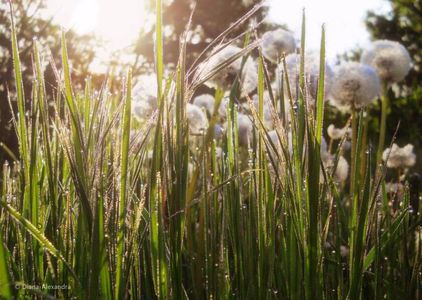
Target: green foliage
[146,210]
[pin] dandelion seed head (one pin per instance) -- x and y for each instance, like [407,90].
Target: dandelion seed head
[226,77]
[198,121]
[342,169]
[354,84]
[144,102]
[397,157]
[206,101]
[276,42]
[338,133]
[312,66]
[390,59]
[142,109]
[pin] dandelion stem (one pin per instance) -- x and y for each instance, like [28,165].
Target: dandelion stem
[353,153]
[383,122]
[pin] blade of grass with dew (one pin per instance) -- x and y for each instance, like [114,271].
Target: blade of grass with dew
[30,228]
[5,281]
[76,137]
[22,126]
[124,162]
[302,94]
[261,162]
[355,274]
[314,157]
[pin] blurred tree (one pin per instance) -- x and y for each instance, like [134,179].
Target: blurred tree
[209,20]
[30,25]
[404,24]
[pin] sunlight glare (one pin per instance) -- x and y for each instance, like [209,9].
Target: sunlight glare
[116,22]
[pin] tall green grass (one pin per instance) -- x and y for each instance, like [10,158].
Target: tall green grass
[107,207]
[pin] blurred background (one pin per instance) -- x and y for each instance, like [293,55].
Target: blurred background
[105,37]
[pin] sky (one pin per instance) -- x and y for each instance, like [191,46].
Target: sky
[118,21]
[343,19]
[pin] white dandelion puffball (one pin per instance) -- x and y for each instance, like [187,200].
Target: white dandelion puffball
[198,121]
[225,77]
[144,102]
[354,85]
[397,157]
[390,59]
[275,43]
[206,101]
[338,133]
[143,108]
[311,76]
[342,171]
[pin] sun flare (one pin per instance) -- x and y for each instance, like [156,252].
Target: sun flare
[117,23]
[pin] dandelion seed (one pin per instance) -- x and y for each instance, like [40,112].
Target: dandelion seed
[397,157]
[197,119]
[354,85]
[276,42]
[390,59]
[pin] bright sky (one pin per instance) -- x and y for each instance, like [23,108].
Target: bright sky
[343,19]
[118,21]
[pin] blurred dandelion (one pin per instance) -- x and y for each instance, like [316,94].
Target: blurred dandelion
[206,101]
[397,157]
[311,76]
[198,121]
[342,169]
[275,43]
[248,74]
[390,59]
[354,85]
[338,133]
